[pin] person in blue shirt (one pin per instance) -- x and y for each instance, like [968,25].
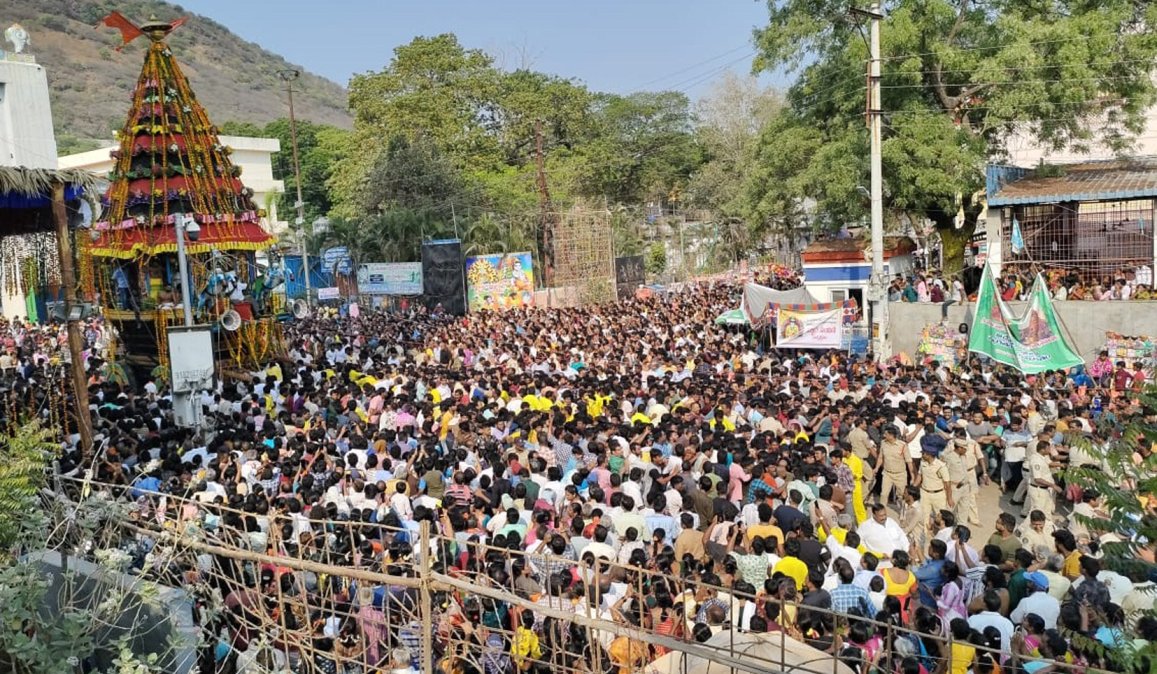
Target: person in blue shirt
[147,483]
[929,575]
[1081,377]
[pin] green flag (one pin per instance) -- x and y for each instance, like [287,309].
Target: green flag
[1031,342]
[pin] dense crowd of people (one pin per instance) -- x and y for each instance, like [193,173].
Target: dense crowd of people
[1125,283]
[630,461]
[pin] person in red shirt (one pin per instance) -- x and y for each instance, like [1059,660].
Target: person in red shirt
[1121,377]
[1138,377]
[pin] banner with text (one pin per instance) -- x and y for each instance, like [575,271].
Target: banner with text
[390,278]
[499,281]
[1032,342]
[816,330]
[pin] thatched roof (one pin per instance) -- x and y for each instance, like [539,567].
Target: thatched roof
[26,196]
[30,182]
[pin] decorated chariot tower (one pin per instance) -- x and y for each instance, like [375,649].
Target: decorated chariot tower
[179,240]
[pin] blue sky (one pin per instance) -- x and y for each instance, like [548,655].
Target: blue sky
[612,45]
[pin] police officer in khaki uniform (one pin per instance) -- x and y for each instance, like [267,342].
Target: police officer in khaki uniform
[864,447]
[1041,484]
[932,476]
[963,479]
[975,462]
[894,460]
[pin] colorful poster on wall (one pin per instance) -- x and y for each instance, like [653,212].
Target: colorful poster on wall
[499,282]
[814,330]
[390,278]
[942,344]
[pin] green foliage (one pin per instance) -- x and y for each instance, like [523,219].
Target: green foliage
[414,175]
[1123,471]
[958,78]
[319,148]
[444,135]
[67,144]
[627,230]
[643,149]
[656,260]
[435,88]
[25,454]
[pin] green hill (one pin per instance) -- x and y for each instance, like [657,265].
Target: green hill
[235,80]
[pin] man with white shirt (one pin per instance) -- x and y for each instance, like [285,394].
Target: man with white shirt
[991,617]
[1038,601]
[400,502]
[894,397]
[881,534]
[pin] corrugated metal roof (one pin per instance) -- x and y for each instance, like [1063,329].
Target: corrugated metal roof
[1113,180]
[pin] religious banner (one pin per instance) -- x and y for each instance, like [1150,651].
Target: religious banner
[499,282]
[1031,342]
[819,330]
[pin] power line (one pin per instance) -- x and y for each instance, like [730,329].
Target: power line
[1112,78]
[691,67]
[902,57]
[1012,69]
[693,82]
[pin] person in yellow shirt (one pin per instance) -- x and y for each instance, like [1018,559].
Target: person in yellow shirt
[961,653]
[791,565]
[1066,545]
[765,529]
[525,647]
[856,464]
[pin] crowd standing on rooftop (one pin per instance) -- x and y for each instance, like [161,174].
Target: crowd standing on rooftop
[631,461]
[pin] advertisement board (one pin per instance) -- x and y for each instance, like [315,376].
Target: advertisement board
[630,273]
[390,278]
[499,282]
[818,330]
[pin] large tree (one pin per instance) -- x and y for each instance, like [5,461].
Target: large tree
[319,148]
[643,149]
[445,134]
[729,121]
[959,76]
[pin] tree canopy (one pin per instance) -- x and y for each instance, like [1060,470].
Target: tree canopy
[443,133]
[959,78]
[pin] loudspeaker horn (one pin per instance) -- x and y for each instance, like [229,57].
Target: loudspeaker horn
[300,309]
[230,320]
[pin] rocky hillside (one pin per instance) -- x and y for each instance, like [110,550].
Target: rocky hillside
[235,80]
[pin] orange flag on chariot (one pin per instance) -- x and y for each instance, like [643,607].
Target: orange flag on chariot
[128,29]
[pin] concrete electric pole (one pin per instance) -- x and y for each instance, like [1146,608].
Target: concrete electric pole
[288,76]
[878,284]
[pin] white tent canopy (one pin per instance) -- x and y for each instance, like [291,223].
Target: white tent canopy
[771,651]
[757,298]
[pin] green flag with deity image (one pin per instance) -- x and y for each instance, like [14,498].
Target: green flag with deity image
[1031,342]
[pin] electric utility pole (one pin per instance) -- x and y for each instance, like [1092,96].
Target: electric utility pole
[288,76]
[878,284]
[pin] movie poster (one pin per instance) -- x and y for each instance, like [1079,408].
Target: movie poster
[499,282]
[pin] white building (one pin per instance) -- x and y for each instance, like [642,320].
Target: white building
[26,136]
[253,155]
[1026,151]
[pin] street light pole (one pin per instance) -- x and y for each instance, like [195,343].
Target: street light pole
[288,76]
[183,270]
[185,408]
